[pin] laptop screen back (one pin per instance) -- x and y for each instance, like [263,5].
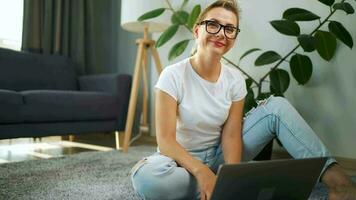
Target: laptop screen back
[267,180]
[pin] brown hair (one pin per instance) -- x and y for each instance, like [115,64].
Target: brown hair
[230,5]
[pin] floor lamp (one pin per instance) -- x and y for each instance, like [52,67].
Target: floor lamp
[130,11]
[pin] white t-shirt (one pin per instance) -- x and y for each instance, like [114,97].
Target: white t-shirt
[203,106]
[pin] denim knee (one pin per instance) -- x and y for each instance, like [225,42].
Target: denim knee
[160,178]
[277,105]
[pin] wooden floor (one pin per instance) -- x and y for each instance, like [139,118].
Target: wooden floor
[23,149]
[14,150]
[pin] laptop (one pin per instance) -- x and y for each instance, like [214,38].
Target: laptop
[291,179]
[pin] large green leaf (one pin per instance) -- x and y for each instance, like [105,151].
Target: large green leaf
[345,7]
[299,14]
[180,17]
[248,52]
[151,14]
[193,16]
[286,27]
[275,93]
[341,33]
[178,49]
[167,35]
[279,80]
[325,44]
[327,2]
[267,57]
[307,42]
[301,68]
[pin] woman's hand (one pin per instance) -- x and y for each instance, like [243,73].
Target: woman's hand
[206,182]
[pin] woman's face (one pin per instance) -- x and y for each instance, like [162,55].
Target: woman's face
[215,43]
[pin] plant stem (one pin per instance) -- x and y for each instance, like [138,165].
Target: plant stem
[325,20]
[285,57]
[170,5]
[279,62]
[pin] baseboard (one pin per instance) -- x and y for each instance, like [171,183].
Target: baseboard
[347,163]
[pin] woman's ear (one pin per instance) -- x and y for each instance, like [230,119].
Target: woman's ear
[196,31]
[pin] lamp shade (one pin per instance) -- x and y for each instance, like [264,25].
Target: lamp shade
[131,10]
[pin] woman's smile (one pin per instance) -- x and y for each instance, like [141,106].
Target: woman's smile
[218,44]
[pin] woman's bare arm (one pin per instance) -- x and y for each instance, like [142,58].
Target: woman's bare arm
[166,117]
[231,135]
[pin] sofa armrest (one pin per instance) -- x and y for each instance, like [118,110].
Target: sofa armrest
[117,84]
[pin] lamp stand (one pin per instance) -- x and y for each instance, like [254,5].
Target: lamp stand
[144,44]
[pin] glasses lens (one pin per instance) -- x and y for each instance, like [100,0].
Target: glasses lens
[212,27]
[230,32]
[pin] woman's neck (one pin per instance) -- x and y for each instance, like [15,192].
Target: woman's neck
[208,67]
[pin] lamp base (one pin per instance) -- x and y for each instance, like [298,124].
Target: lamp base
[144,44]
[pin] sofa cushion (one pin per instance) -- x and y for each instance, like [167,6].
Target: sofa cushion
[60,106]
[10,106]
[31,71]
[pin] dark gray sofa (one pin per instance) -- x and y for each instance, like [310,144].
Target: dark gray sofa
[41,95]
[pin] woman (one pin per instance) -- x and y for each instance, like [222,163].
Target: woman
[200,124]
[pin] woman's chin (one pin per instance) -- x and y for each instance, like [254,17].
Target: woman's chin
[214,51]
[217,51]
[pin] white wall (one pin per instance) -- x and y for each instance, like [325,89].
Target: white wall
[326,101]
[11,14]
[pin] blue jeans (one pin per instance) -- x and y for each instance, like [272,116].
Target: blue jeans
[160,177]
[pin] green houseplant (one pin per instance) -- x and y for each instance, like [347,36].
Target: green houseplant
[322,39]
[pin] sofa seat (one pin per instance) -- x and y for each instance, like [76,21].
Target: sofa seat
[10,106]
[61,106]
[56,106]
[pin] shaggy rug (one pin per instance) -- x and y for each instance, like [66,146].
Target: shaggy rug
[87,175]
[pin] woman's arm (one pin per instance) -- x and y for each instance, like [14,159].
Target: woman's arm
[231,135]
[166,117]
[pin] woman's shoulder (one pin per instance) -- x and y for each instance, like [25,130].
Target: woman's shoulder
[178,66]
[176,69]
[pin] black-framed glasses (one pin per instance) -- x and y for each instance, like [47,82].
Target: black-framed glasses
[214,27]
